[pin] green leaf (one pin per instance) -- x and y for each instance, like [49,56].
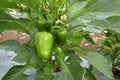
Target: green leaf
[6,25]
[90,3]
[87,37]
[45,77]
[109,23]
[35,58]
[29,3]
[73,57]
[7,22]
[114,23]
[109,6]
[10,45]
[8,4]
[72,71]
[26,53]
[75,36]
[4,16]
[76,7]
[89,75]
[105,9]
[16,73]
[102,14]
[99,62]
[80,49]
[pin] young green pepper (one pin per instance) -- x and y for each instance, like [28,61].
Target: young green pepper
[60,53]
[61,36]
[44,42]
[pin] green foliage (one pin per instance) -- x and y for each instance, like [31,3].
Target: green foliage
[72,71]
[34,16]
[100,63]
[8,4]
[16,72]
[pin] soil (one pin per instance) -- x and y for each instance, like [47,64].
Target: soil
[96,36]
[116,73]
[14,35]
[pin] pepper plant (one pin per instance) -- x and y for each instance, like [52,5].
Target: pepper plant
[56,28]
